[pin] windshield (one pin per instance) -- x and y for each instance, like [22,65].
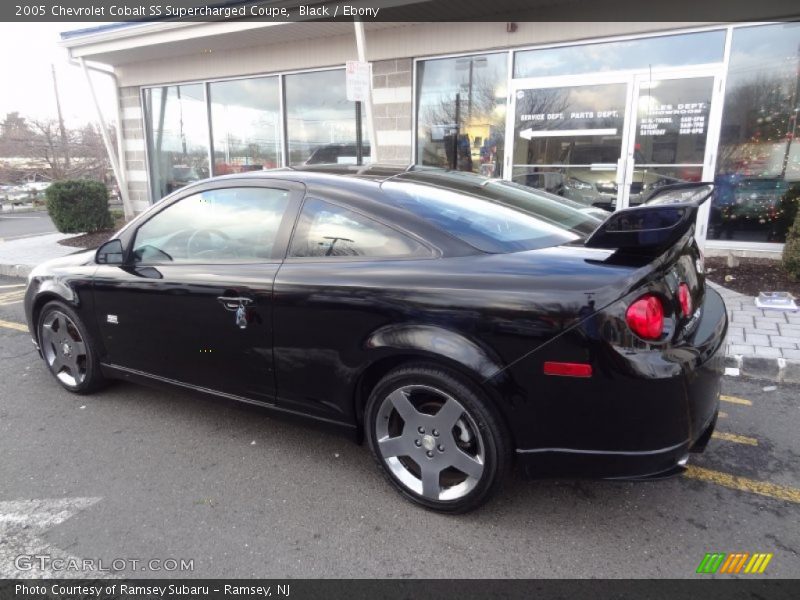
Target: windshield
[491,215]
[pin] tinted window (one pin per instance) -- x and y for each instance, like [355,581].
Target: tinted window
[177,136]
[245,124]
[757,184]
[490,215]
[461,112]
[218,226]
[329,230]
[318,114]
[673,50]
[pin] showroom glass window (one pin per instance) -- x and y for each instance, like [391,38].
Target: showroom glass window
[245,124]
[177,136]
[461,113]
[758,162]
[651,52]
[230,225]
[320,120]
[328,230]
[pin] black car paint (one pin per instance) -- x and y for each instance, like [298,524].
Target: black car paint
[337,325]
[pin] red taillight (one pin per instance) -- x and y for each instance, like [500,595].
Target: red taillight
[646,317]
[567,369]
[685,298]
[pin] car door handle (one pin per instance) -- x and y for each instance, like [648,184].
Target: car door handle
[238,304]
[234,302]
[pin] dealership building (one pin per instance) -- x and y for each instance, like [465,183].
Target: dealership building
[600,113]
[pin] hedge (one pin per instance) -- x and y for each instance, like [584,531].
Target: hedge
[791,250]
[79,206]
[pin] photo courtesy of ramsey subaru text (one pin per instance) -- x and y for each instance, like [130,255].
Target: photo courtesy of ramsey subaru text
[458,325]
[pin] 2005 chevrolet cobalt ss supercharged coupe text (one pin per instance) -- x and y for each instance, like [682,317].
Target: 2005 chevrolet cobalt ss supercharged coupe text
[457,323]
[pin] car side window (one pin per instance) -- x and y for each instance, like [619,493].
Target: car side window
[230,225]
[328,230]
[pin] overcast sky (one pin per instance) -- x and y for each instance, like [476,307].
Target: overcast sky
[26,85]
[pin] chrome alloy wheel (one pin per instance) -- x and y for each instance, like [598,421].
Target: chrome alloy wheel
[429,442]
[63,348]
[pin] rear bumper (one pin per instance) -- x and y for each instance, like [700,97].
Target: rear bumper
[652,419]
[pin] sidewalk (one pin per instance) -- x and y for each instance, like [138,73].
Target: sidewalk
[761,343]
[18,257]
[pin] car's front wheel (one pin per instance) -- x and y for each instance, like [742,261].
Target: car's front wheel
[67,349]
[436,438]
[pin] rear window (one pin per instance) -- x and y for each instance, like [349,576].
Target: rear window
[491,215]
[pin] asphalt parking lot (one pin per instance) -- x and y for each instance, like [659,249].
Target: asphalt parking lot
[135,473]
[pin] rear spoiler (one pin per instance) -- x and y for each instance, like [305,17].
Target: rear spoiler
[653,227]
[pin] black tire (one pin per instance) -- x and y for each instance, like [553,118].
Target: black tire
[80,372]
[479,433]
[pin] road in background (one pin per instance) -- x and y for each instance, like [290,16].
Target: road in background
[24,224]
[135,472]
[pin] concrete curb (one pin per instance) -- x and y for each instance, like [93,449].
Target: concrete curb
[15,270]
[781,370]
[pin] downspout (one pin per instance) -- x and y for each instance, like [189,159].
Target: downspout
[117,159]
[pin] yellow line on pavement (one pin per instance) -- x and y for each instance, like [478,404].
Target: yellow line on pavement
[12,325]
[732,437]
[743,484]
[722,414]
[735,400]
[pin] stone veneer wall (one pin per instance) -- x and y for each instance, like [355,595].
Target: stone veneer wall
[392,104]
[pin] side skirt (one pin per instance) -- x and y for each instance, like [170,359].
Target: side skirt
[127,374]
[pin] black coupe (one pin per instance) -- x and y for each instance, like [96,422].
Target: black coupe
[459,324]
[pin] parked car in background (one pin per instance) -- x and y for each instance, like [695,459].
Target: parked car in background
[593,182]
[749,204]
[338,154]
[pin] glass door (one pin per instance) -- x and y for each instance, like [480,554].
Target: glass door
[609,141]
[569,137]
[673,140]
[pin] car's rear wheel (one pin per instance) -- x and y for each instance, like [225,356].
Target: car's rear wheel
[67,349]
[436,438]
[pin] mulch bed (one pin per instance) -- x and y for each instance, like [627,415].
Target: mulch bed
[753,275]
[88,240]
[94,239]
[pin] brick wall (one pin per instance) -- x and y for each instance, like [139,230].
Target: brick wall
[134,145]
[392,103]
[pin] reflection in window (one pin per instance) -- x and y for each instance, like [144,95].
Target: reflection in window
[461,110]
[568,141]
[320,120]
[246,125]
[493,219]
[177,136]
[329,230]
[758,164]
[663,51]
[218,226]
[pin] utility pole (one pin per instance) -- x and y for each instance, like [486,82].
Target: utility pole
[62,129]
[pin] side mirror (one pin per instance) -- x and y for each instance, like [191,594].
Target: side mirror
[109,253]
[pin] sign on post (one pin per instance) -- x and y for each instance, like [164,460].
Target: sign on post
[357,79]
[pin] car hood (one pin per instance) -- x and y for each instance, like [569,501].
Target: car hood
[80,258]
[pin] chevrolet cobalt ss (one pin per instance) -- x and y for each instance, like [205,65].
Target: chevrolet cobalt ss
[458,324]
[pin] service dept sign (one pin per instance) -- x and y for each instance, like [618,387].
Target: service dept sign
[570,111]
